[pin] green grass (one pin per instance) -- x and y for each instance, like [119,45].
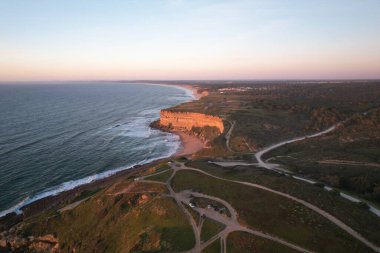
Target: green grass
[243,242]
[153,169]
[355,143]
[163,167]
[85,194]
[162,177]
[182,159]
[210,228]
[213,247]
[273,214]
[363,221]
[281,111]
[107,223]
[193,213]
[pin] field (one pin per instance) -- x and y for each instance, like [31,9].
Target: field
[358,218]
[213,247]
[120,223]
[348,158]
[245,243]
[133,215]
[269,112]
[273,214]
[162,177]
[210,228]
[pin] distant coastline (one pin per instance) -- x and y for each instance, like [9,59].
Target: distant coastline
[190,144]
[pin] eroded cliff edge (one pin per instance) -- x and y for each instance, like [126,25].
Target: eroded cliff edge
[186,121]
[206,127]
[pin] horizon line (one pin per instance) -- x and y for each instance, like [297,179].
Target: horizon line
[191,80]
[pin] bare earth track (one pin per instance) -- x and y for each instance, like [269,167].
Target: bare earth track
[231,223]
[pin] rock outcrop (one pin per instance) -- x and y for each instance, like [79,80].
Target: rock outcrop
[186,121]
[11,242]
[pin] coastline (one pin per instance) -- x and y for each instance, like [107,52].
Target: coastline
[194,90]
[189,145]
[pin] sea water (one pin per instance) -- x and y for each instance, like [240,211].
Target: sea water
[56,136]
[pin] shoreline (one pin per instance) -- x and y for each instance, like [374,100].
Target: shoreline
[194,90]
[52,201]
[189,145]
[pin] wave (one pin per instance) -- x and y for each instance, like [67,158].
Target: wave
[138,127]
[69,185]
[27,145]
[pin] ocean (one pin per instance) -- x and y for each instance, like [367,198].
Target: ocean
[56,136]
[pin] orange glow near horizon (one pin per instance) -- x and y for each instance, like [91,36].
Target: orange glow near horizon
[173,39]
[265,70]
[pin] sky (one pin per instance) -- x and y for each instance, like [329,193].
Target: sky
[189,39]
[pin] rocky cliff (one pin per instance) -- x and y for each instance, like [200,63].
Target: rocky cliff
[186,121]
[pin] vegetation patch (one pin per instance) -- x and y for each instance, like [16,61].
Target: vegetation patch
[85,194]
[210,228]
[162,177]
[347,158]
[213,247]
[138,222]
[243,242]
[273,214]
[358,218]
[193,213]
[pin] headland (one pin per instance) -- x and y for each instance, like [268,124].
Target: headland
[221,198]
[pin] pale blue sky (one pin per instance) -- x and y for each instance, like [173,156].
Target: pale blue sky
[183,39]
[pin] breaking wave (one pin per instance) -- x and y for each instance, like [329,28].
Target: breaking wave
[158,145]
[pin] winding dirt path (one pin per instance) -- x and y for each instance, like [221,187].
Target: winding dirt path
[228,135]
[196,229]
[316,209]
[277,167]
[233,225]
[270,166]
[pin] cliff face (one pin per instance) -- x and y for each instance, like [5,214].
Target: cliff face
[187,120]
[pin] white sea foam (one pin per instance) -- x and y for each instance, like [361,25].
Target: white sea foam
[69,185]
[171,141]
[139,127]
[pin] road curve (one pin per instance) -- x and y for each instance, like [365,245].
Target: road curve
[231,223]
[259,154]
[316,209]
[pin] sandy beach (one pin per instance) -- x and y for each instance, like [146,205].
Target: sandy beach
[194,91]
[190,144]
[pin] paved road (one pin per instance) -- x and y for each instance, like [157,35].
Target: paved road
[316,209]
[277,168]
[228,135]
[231,223]
[270,166]
[197,233]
